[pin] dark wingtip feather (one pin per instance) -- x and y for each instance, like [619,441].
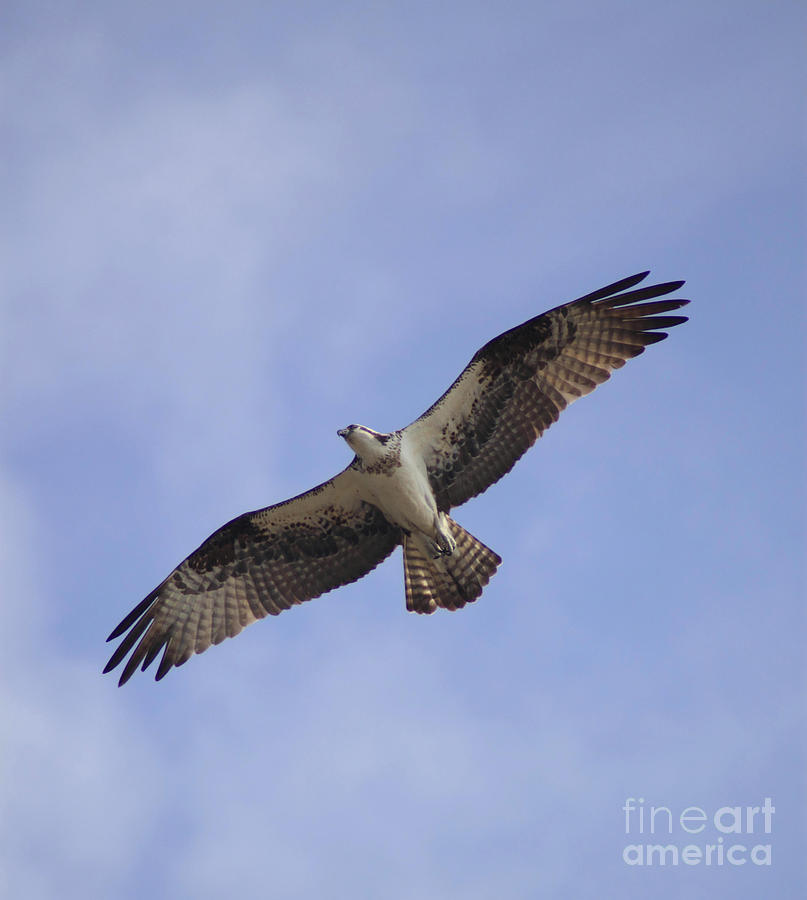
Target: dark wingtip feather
[126,645]
[168,660]
[152,652]
[653,337]
[616,287]
[133,616]
[649,323]
[131,668]
[629,298]
[163,670]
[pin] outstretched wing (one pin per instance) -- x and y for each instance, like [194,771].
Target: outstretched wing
[516,386]
[262,562]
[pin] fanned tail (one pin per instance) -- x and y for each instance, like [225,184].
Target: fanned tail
[447,581]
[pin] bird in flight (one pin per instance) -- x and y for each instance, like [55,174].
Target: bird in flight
[400,487]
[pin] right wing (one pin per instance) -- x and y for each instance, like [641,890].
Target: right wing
[516,386]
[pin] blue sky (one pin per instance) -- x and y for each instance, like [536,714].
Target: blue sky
[228,231]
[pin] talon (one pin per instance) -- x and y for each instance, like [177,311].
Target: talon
[446,543]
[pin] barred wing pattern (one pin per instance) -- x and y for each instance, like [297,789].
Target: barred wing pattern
[260,563]
[516,386]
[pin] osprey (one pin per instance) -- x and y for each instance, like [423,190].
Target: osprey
[400,487]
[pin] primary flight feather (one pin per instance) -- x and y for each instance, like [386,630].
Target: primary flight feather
[400,487]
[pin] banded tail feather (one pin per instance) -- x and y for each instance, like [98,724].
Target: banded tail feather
[451,581]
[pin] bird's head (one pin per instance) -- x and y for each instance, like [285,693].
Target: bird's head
[367,444]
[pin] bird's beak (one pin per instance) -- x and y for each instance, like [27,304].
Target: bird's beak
[342,432]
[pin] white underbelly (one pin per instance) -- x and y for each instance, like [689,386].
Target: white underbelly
[405,497]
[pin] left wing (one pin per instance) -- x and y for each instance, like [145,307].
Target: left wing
[260,563]
[516,386]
